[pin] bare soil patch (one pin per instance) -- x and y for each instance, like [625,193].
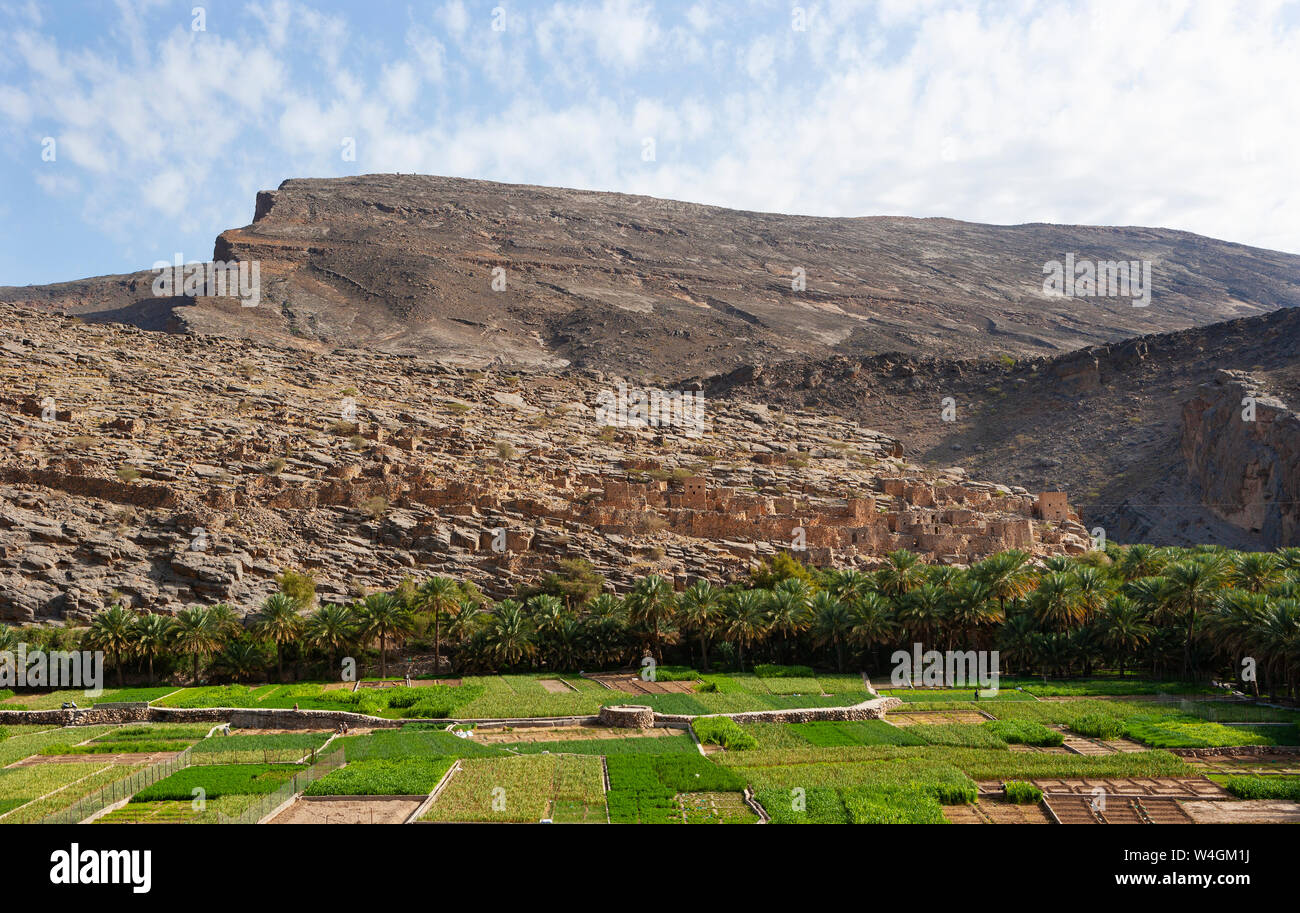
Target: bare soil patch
[125,758]
[995,811]
[937,716]
[633,684]
[566,734]
[556,686]
[1249,811]
[1119,810]
[1172,787]
[359,810]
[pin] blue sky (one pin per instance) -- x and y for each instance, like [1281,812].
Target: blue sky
[1175,114]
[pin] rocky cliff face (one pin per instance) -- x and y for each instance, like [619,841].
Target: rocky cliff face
[161,470]
[1105,422]
[1242,448]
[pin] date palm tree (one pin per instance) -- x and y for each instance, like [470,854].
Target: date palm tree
[1280,642]
[920,611]
[383,617]
[901,574]
[848,585]
[1236,623]
[1017,640]
[1192,589]
[279,622]
[1124,630]
[332,628]
[1255,572]
[746,619]
[1055,602]
[1006,575]
[199,632]
[438,596]
[652,602]
[872,622]
[113,631]
[1090,591]
[700,605]
[241,659]
[508,635]
[789,611]
[152,638]
[1141,561]
[832,625]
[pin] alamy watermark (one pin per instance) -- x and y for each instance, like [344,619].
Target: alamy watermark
[240,279]
[649,407]
[950,669]
[127,867]
[1099,279]
[83,669]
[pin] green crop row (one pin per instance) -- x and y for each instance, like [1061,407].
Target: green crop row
[219,780]
[408,777]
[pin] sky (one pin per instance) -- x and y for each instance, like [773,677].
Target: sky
[137,129]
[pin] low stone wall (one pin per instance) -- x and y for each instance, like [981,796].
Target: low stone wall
[626,716]
[867,710]
[241,718]
[1247,750]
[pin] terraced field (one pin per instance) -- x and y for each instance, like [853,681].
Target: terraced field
[1082,755]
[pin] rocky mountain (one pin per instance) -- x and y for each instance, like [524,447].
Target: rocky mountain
[440,375]
[654,288]
[1146,434]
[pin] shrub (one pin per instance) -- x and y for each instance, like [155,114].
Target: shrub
[1022,793]
[724,731]
[1098,726]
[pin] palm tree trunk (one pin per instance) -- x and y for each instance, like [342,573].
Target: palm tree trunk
[118,662]
[704,653]
[437,632]
[151,677]
[279,661]
[383,657]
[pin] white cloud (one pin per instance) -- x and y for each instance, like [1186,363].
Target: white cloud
[1056,113]
[401,85]
[454,18]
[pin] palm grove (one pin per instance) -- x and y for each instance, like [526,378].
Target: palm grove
[1188,613]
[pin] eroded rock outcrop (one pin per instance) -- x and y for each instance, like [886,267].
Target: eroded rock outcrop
[166,470]
[1242,448]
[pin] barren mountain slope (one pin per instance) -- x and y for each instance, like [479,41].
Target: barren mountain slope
[1107,423]
[654,288]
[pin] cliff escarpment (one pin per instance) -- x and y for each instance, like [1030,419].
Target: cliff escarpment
[1242,447]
